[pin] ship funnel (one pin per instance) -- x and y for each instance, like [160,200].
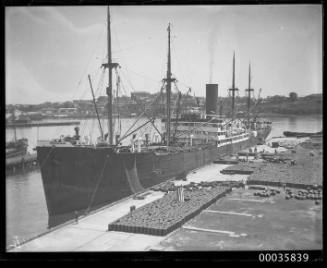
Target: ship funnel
[211,99]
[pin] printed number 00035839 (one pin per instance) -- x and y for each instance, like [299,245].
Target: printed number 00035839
[283,257]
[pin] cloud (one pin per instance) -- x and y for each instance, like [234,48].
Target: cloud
[21,87]
[47,15]
[53,49]
[55,44]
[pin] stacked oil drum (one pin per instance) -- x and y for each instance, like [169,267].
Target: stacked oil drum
[168,213]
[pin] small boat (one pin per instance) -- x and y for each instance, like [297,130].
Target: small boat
[16,148]
[22,119]
[300,134]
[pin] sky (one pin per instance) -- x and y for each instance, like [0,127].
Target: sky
[49,51]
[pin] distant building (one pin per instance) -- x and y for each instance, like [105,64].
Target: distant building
[16,113]
[8,116]
[123,101]
[101,109]
[140,95]
[193,110]
[48,111]
[102,101]
[34,115]
[81,103]
[67,111]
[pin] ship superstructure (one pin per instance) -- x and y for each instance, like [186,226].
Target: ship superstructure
[198,128]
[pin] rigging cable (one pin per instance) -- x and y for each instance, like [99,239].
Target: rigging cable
[99,86]
[85,69]
[144,112]
[76,89]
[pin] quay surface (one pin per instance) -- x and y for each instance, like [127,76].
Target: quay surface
[306,170]
[241,220]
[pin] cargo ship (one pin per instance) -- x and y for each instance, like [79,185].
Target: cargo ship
[79,177]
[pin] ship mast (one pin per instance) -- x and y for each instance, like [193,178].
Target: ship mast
[249,89]
[110,65]
[233,89]
[109,88]
[168,80]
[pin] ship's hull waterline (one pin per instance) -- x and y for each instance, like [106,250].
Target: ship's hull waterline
[85,178]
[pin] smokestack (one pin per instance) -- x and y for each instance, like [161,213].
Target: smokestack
[211,99]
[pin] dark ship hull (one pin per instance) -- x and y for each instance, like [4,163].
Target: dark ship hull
[85,178]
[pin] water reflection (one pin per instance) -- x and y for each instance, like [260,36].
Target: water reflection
[292,122]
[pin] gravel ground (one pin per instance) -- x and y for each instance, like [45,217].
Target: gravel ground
[307,170]
[242,221]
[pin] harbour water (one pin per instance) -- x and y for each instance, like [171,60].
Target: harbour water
[26,212]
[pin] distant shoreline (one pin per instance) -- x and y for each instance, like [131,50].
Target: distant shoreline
[260,116]
[289,115]
[42,124]
[66,120]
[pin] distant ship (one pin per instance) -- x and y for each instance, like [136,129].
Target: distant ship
[21,119]
[78,176]
[301,134]
[16,148]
